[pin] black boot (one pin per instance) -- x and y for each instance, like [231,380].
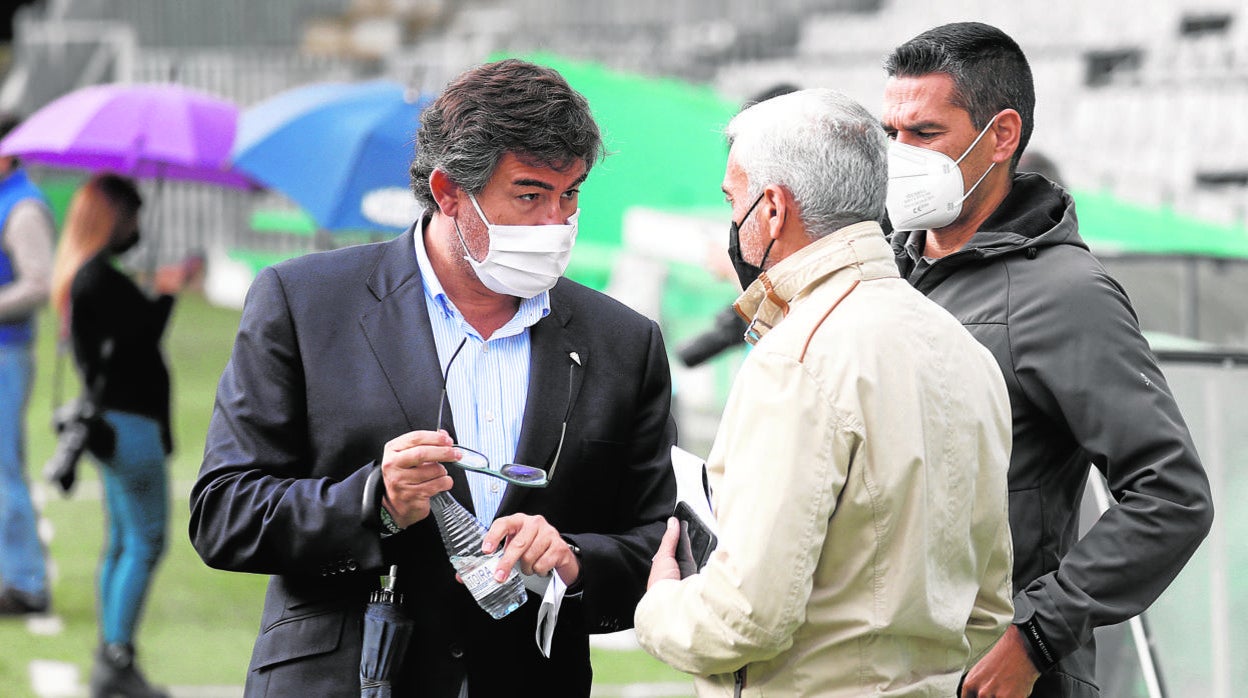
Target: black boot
[19,603]
[115,675]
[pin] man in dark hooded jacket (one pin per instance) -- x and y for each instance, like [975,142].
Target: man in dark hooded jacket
[1002,252]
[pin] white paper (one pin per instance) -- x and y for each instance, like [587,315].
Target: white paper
[690,473]
[690,487]
[551,588]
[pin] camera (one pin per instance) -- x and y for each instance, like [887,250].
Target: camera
[62,468]
[79,429]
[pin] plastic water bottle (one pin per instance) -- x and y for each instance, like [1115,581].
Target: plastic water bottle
[462,534]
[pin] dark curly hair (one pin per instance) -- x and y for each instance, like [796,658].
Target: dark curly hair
[510,106]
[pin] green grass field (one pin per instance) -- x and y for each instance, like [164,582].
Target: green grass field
[199,624]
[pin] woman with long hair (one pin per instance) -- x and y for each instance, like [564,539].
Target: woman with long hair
[115,329]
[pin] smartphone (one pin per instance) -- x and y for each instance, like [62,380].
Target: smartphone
[694,533]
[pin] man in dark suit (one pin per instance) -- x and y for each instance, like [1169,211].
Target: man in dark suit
[337,377]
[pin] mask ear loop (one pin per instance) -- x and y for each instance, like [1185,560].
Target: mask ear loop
[464,243]
[481,213]
[968,150]
[976,184]
[767,252]
[974,143]
[740,225]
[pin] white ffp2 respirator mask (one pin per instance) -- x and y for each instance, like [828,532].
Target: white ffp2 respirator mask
[523,260]
[925,186]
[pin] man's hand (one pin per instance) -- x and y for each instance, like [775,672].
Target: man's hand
[1005,672]
[411,467]
[535,544]
[663,564]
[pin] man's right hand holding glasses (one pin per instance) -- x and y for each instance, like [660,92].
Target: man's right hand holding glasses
[412,470]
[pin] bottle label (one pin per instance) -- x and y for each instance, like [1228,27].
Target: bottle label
[480,578]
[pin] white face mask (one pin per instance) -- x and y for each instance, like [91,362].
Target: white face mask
[523,260]
[925,186]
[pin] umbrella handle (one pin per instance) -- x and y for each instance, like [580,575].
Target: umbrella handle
[386,593]
[153,241]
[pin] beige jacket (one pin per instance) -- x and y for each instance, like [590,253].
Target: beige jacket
[858,479]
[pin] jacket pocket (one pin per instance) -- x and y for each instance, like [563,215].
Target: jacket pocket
[294,637]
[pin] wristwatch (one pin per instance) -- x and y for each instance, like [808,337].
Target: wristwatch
[388,522]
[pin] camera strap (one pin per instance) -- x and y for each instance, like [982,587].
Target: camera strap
[92,396]
[58,370]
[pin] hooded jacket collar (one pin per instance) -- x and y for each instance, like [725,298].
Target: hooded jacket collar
[1036,213]
[858,252]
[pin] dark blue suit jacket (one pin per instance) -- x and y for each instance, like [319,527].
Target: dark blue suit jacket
[334,357]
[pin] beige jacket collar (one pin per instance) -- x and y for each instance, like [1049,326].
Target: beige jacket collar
[859,252]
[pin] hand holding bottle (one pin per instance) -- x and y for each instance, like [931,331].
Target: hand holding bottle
[496,586]
[533,543]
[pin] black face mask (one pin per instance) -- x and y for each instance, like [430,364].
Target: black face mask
[746,272]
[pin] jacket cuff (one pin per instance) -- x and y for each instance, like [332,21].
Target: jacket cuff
[370,507]
[1039,650]
[575,588]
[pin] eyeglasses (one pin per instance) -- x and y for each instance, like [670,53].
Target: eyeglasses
[515,473]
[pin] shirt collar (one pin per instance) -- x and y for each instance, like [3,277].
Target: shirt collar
[857,251]
[530,311]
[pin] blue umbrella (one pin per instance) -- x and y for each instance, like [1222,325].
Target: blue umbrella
[339,150]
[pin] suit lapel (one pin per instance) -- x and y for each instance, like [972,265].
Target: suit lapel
[551,348]
[399,333]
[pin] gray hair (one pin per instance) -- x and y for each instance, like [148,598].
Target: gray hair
[822,146]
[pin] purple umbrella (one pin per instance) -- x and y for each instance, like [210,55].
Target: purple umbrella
[145,131]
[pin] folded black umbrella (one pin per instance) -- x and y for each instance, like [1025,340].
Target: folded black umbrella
[387,630]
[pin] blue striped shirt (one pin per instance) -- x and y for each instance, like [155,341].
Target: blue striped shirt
[488,383]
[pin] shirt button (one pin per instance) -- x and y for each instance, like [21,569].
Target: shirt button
[495,487]
[489,416]
[457,652]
